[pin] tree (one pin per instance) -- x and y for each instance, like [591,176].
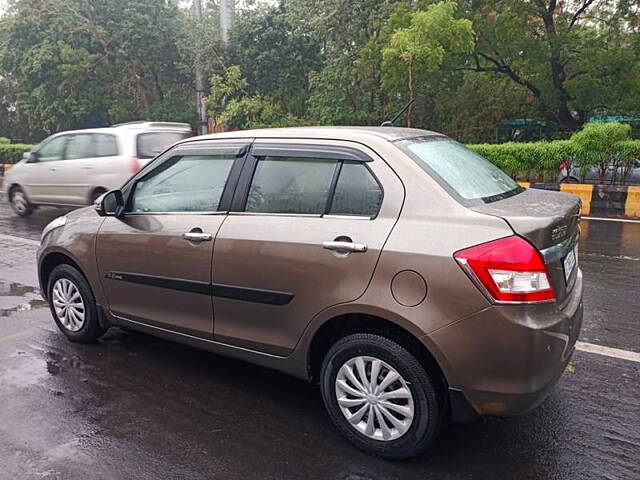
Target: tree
[80,63]
[275,56]
[231,107]
[431,35]
[573,58]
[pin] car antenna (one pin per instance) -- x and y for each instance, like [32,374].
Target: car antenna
[389,123]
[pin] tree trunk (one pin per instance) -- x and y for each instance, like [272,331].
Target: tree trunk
[410,85]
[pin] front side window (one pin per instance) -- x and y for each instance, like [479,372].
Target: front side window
[467,176]
[291,185]
[52,150]
[190,183]
[357,192]
[79,146]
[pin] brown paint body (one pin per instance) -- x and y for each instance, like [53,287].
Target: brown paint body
[504,358]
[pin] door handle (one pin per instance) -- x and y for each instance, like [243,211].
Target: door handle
[87,167]
[344,247]
[197,237]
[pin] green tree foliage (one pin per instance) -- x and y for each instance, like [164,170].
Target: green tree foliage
[597,145]
[82,63]
[421,47]
[573,58]
[78,63]
[230,106]
[275,56]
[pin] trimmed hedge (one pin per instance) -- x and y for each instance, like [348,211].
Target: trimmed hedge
[535,161]
[597,145]
[4,140]
[12,152]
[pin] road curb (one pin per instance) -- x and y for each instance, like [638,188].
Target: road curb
[613,201]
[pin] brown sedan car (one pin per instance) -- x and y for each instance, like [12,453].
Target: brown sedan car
[409,277]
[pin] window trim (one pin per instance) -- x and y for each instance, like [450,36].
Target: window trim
[291,150]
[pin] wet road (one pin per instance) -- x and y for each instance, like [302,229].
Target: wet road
[134,406]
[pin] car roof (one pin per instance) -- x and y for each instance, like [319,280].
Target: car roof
[133,127]
[334,133]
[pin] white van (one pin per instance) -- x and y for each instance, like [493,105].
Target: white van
[74,168]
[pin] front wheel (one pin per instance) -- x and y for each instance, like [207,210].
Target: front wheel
[73,306]
[380,396]
[19,202]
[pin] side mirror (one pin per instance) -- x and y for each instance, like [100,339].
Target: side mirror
[30,157]
[111,204]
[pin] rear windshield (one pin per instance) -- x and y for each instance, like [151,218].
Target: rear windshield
[151,144]
[468,177]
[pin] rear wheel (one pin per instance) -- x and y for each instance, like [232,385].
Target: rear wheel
[380,396]
[73,306]
[19,202]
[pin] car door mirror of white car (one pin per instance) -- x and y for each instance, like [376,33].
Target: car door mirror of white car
[30,157]
[111,204]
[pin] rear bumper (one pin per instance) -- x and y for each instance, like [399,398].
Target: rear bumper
[506,359]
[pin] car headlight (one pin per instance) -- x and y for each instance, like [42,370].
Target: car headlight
[56,223]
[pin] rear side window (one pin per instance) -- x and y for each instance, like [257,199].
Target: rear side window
[191,183]
[79,146]
[150,144]
[104,145]
[467,176]
[357,192]
[291,185]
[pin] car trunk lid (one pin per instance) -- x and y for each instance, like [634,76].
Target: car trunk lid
[550,221]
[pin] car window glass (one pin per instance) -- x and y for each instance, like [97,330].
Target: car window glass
[52,150]
[192,183]
[79,146]
[149,145]
[464,173]
[357,192]
[291,185]
[104,145]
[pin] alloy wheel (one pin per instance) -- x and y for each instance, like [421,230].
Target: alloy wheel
[19,202]
[68,304]
[374,398]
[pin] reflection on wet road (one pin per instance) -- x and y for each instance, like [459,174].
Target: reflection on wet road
[134,406]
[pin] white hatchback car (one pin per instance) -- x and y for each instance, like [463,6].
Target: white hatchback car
[74,168]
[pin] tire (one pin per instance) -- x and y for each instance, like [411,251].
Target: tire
[569,180]
[68,283]
[20,202]
[424,387]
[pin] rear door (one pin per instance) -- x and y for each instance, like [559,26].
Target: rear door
[308,224]
[155,261]
[73,175]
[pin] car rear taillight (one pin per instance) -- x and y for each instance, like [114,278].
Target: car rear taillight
[135,165]
[510,269]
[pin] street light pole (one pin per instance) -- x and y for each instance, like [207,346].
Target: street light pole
[202,127]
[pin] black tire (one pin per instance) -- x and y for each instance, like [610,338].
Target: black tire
[425,387]
[20,202]
[91,329]
[569,180]
[95,194]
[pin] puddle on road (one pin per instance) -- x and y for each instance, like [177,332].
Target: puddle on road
[14,289]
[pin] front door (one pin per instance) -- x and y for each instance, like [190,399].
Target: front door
[309,226]
[155,261]
[42,176]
